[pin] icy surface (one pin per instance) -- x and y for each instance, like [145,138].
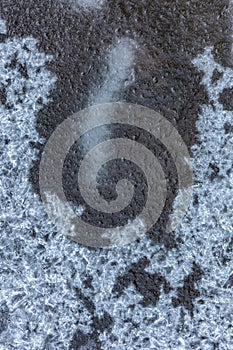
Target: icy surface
[120,71]
[3,29]
[41,270]
[88,4]
[64,213]
[126,234]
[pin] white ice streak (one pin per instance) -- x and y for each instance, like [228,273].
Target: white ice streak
[3,28]
[88,4]
[119,72]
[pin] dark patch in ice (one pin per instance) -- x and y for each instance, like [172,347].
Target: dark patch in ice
[147,284]
[81,339]
[195,199]
[228,128]
[216,76]
[23,70]
[13,63]
[4,313]
[87,283]
[188,293]
[158,233]
[214,171]
[99,324]
[3,97]
[226,99]
[229,282]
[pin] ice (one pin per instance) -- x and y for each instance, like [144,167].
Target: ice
[126,234]
[40,267]
[3,28]
[119,71]
[88,4]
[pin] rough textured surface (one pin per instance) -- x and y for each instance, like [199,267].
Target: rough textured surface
[162,292]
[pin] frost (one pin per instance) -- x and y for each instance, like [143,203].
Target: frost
[63,214]
[88,4]
[40,268]
[3,28]
[120,68]
[181,202]
[206,232]
[126,234]
[34,289]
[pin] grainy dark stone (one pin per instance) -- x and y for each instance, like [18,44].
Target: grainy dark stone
[60,32]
